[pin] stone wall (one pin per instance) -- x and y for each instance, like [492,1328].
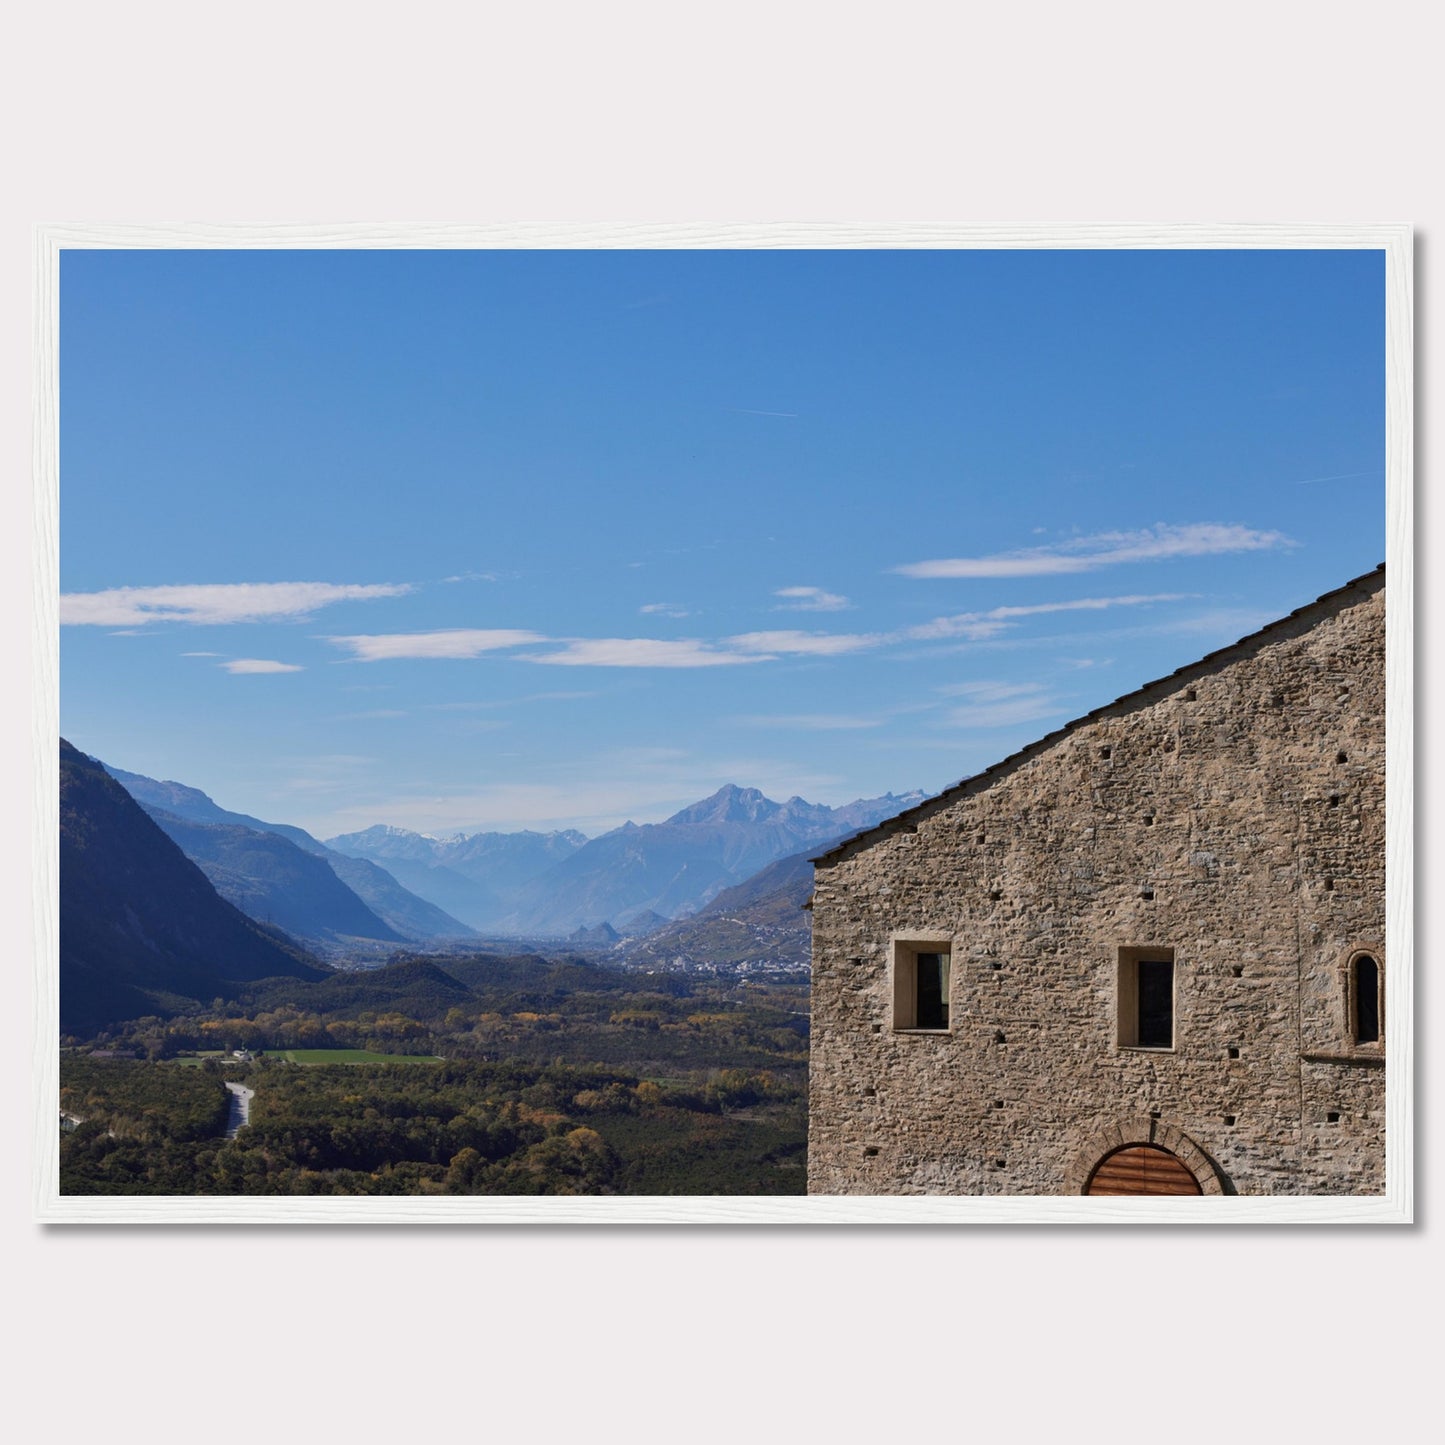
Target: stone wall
[1233,813]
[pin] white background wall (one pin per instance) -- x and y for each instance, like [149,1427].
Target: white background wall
[750,112]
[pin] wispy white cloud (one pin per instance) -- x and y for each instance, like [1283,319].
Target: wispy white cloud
[1338,477]
[1233,622]
[473,577]
[1085,604]
[812,644]
[639,652]
[664,609]
[970,626]
[201,654]
[242,665]
[213,603]
[1104,549]
[454,642]
[490,704]
[810,599]
[812,722]
[1000,704]
[752,411]
[764,646]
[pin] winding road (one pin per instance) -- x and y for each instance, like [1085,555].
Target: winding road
[241,1098]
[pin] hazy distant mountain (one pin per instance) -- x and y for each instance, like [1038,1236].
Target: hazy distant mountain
[758,921]
[473,876]
[603,935]
[527,883]
[677,867]
[257,881]
[637,925]
[272,880]
[141,929]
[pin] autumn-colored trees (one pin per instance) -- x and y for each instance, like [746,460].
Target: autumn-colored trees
[554,1079]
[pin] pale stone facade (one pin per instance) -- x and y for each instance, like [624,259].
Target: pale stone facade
[1156,926]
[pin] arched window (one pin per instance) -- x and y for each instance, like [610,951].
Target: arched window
[1366,999]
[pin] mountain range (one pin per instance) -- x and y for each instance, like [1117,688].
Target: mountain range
[360,893]
[472,875]
[534,884]
[167,898]
[280,874]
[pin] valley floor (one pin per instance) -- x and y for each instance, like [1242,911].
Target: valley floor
[533,1077]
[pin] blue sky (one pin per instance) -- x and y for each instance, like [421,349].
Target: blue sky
[465,540]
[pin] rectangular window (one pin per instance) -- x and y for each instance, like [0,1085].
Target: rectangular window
[921,978]
[1156,1003]
[1146,998]
[932,990]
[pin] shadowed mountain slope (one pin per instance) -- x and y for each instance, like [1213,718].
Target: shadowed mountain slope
[141,928]
[273,881]
[401,913]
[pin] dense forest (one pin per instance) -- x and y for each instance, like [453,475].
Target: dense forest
[488,1075]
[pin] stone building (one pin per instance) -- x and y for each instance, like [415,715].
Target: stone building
[1143,955]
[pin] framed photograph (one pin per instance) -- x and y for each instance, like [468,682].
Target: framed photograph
[806,724]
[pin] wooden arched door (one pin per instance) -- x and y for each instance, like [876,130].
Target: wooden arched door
[1141,1169]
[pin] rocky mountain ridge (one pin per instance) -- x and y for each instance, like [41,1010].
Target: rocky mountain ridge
[277,873]
[554,884]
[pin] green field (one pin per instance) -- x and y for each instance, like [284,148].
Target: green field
[348,1056]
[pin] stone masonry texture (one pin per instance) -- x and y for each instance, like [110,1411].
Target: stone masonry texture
[1232,813]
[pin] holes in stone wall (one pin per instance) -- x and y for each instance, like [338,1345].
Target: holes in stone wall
[1106,753]
[871,1152]
[1329,885]
[1334,800]
[1229,1120]
[1148,820]
[1237,971]
[1233,1053]
[1342,757]
[1191,695]
[1147,894]
[870,1093]
[998,1103]
[1333,1117]
[998,1037]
